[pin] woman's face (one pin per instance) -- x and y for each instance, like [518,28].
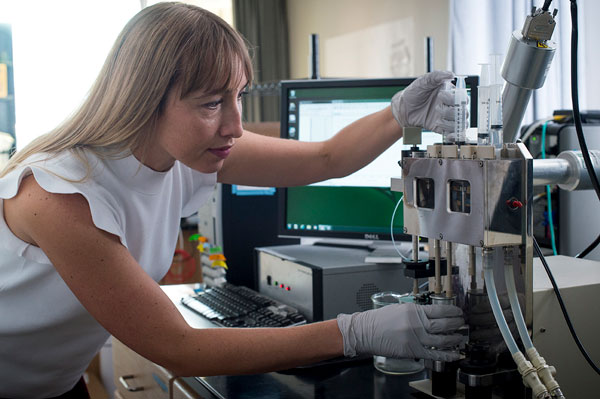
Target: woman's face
[198,130]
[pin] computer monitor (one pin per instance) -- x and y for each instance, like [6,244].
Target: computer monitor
[358,206]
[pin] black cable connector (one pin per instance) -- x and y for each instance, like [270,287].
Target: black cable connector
[564,309]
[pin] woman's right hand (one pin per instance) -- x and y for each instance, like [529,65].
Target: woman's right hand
[403,331]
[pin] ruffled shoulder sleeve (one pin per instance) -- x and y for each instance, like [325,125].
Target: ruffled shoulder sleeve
[59,175]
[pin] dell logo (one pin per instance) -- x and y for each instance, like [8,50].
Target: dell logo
[371,236]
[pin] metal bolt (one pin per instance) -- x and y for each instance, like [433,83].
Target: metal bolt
[441,236]
[481,242]
[481,164]
[440,161]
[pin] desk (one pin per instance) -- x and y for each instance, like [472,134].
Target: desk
[347,380]
[353,381]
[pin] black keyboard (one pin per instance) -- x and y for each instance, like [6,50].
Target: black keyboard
[238,306]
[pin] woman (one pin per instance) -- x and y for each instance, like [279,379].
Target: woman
[92,210]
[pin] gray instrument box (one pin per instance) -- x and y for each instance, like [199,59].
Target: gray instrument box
[323,281]
[579,283]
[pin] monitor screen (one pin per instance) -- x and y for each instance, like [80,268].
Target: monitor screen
[358,206]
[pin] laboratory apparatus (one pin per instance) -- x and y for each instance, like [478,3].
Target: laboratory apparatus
[474,200]
[473,203]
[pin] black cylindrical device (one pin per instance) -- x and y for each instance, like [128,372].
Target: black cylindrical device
[314,56]
[428,54]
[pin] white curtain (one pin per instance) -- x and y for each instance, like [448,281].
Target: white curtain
[58,49]
[479,28]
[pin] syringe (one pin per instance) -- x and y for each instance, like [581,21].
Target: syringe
[461,113]
[483,106]
[496,138]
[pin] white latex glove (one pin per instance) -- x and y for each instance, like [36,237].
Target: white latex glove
[403,331]
[425,103]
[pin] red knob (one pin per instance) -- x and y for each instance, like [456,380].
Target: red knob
[514,204]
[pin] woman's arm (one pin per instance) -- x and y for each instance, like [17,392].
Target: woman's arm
[265,161]
[262,161]
[113,287]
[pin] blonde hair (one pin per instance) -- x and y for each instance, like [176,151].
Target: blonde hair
[164,46]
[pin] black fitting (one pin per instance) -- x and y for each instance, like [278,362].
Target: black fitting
[443,383]
[426,268]
[418,269]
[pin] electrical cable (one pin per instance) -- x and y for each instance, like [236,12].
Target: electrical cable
[548,195]
[589,249]
[577,118]
[546,5]
[575,99]
[533,127]
[563,308]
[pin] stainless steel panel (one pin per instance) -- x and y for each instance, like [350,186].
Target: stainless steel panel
[502,221]
[439,223]
[499,213]
[490,221]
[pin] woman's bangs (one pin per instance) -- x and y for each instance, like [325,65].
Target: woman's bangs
[218,69]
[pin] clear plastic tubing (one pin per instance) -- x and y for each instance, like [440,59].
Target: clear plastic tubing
[483,106]
[514,299]
[488,274]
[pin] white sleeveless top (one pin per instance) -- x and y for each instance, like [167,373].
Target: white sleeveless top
[47,338]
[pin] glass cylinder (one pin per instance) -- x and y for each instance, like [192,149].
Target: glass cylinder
[390,365]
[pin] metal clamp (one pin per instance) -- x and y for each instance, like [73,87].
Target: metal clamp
[123,382]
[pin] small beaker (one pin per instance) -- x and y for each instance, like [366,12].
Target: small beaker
[390,365]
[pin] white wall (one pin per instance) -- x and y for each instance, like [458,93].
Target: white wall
[358,38]
[58,49]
